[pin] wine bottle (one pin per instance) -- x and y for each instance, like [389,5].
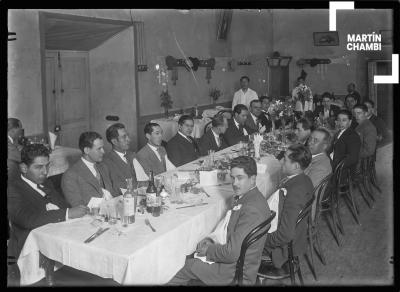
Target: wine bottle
[150,193]
[129,200]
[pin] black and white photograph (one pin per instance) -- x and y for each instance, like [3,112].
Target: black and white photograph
[229,146]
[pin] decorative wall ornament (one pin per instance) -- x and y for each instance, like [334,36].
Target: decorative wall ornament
[328,38]
[189,64]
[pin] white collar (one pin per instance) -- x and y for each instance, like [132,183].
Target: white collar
[215,135]
[244,92]
[33,185]
[184,136]
[312,156]
[11,139]
[236,123]
[291,176]
[120,154]
[247,192]
[154,148]
[253,116]
[87,162]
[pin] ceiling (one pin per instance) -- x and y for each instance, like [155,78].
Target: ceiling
[79,34]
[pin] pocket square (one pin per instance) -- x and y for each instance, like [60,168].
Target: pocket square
[237,207]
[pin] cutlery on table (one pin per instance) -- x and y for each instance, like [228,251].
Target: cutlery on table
[195,205]
[96,234]
[147,221]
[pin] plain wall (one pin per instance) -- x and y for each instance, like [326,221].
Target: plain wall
[293,36]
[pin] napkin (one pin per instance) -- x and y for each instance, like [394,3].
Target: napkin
[203,259]
[183,175]
[209,178]
[95,202]
[273,203]
[53,138]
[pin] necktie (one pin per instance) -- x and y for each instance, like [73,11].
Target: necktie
[282,182]
[161,155]
[45,190]
[126,157]
[98,176]
[235,200]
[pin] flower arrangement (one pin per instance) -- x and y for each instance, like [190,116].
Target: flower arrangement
[215,93]
[303,94]
[281,109]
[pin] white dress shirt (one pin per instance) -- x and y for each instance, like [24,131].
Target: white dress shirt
[254,118]
[315,155]
[245,98]
[90,165]
[237,126]
[49,206]
[216,137]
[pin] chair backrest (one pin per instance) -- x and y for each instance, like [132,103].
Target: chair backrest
[225,113]
[207,126]
[253,236]
[321,191]
[305,211]
[337,172]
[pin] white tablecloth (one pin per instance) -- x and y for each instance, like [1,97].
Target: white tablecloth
[141,256]
[61,158]
[170,127]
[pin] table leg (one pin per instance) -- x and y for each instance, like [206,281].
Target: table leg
[48,266]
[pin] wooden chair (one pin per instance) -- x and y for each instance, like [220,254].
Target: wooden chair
[372,172]
[293,260]
[361,181]
[253,236]
[344,182]
[320,191]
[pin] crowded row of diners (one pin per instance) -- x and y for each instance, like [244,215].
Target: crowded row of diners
[233,193]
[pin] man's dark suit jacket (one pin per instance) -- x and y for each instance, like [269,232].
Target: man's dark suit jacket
[180,151]
[250,126]
[207,142]
[27,211]
[347,147]
[381,129]
[354,123]
[254,210]
[333,111]
[79,185]
[13,160]
[119,170]
[232,135]
[149,160]
[299,192]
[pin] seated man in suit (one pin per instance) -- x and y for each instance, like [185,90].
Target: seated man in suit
[213,139]
[320,165]
[346,143]
[350,101]
[299,190]
[303,131]
[255,119]
[119,160]
[236,131]
[249,210]
[271,121]
[381,129]
[153,156]
[365,130]
[182,148]
[88,177]
[32,200]
[14,133]
[327,110]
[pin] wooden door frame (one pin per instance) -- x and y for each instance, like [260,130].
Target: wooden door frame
[42,26]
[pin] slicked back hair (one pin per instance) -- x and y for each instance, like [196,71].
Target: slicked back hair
[184,118]
[300,154]
[86,139]
[239,108]
[246,163]
[112,131]
[31,151]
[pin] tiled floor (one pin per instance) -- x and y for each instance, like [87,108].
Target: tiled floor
[363,258]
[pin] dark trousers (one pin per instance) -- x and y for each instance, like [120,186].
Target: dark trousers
[184,275]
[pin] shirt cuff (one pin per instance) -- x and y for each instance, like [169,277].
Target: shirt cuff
[66,215]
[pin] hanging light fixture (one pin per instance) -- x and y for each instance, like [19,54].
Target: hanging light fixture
[278,61]
[141,49]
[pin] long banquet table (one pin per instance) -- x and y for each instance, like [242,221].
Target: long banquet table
[139,256]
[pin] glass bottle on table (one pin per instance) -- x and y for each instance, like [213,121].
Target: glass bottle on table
[150,193]
[157,204]
[129,199]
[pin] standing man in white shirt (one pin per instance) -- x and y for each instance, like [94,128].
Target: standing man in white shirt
[245,94]
[153,156]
